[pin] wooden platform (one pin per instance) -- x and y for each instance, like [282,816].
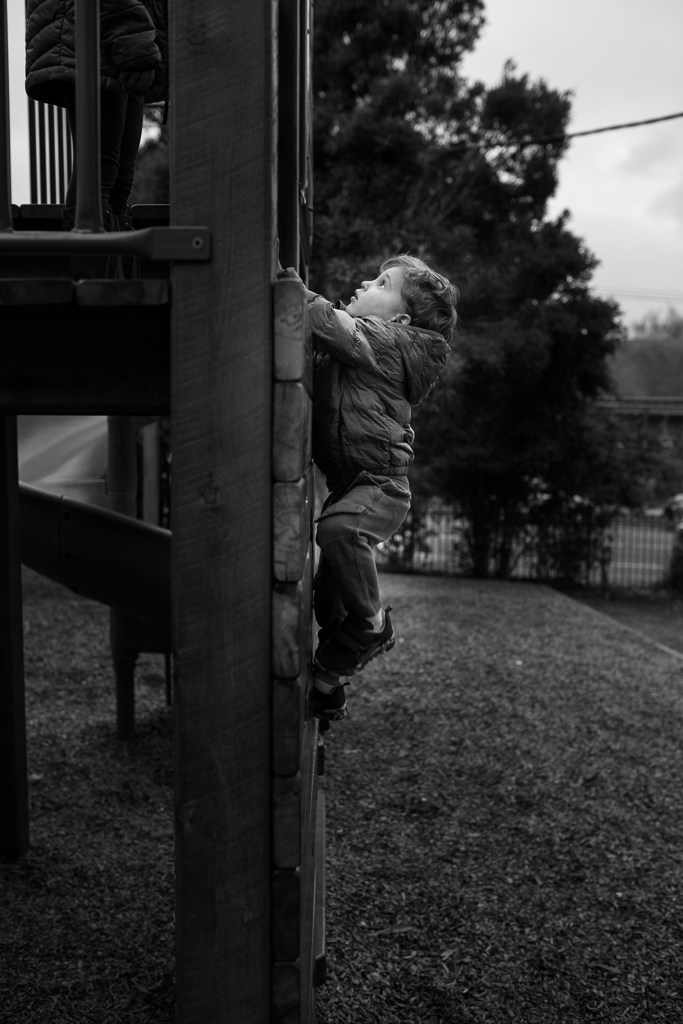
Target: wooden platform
[85,347]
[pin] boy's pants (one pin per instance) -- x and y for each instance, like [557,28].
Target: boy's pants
[350,526]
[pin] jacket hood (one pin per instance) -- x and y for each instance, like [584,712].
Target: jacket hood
[423,352]
[424,355]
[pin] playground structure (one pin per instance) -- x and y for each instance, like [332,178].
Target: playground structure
[208,336]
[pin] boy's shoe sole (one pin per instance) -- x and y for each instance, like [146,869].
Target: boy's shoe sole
[348,651]
[374,652]
[330,706]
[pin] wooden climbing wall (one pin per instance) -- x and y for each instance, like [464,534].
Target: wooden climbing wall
[297,878]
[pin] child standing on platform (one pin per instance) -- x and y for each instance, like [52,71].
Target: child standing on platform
[374,359]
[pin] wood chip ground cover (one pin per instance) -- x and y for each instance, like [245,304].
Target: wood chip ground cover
[504,823]
[505,817]
[87,914]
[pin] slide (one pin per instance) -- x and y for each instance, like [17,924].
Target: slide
[65,455]
[69,537]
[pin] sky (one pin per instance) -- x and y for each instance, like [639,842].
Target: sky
[622,60]
[624,190]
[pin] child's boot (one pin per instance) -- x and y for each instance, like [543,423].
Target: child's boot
[354,645]
[327,699]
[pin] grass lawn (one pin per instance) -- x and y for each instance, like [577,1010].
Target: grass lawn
[505,823]
[506,817]
[657,613]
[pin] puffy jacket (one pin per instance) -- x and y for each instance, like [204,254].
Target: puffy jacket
[367,374]
[132,38]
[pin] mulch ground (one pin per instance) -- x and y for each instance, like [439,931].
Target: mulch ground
[87,914]
[505,817]
[505,823]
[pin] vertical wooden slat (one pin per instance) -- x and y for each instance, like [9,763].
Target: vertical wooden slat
[122,483]
[13,784]
[61,154]
[295,734]
[223,164]
[306,137]
[88,216]
[52,151]
[69,149]
[42,153]
[5,161]
[288,140]
[32,150]
[151,454]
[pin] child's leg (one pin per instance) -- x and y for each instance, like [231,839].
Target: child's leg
[113,109]
[327,605]
[348,532]
[122,154]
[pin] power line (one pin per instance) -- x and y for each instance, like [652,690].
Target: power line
[640,293]
[596,131]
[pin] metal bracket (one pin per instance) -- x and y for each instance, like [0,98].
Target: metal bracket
[179,244]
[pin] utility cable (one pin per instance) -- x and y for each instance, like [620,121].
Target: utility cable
[634,293]
[596,131]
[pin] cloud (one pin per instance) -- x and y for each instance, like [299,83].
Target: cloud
[662,148]
[669,204]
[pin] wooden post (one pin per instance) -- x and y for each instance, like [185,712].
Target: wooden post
[88,214]
[223,55]
[122,480]
[289,131]
[5,160]
[150,473]
[13,784]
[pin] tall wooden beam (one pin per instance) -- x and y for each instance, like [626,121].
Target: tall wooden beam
[13,786]
[223,55]
[289,129]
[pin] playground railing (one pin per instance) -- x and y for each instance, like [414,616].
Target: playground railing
[180,244]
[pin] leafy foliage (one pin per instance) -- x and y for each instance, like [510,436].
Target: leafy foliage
[411,157]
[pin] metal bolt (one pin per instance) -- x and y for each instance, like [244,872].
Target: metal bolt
[197,243]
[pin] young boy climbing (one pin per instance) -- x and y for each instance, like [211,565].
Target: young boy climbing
[374,359]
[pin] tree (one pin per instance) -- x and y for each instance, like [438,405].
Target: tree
[410,157]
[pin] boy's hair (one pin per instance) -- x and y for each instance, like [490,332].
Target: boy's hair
[430,298]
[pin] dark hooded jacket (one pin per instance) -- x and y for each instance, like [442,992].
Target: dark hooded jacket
[368,372]
[133,37]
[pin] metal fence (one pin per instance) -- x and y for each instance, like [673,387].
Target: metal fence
[631,550]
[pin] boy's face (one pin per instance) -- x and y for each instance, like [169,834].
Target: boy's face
[381,297]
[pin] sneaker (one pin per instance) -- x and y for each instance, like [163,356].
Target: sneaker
[354,645]
[329,706]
